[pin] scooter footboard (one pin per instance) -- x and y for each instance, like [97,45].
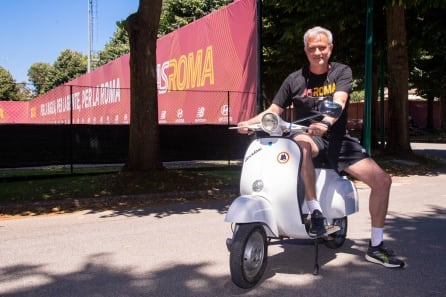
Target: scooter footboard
[251,209]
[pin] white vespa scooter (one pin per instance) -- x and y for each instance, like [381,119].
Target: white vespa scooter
[272,201]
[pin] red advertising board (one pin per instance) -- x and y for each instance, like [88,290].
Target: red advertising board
[207,70]
[207,73]
[99,97]
[14,112]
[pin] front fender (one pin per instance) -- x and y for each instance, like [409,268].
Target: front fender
[250,209]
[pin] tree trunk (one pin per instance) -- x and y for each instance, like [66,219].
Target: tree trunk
[430,114]
[443,105]
[142,27]
[398,75]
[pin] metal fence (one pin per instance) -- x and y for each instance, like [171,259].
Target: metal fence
[76,125]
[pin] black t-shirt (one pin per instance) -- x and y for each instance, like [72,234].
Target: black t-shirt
[301,84]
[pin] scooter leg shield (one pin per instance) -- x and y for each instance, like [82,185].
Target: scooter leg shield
[250,209]
[338,195]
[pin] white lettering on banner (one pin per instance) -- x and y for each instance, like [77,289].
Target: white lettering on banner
[48,108]
[63,104]
[200,115]
[87,98]
[180,114]
[162,77]
[105,93]
[163,114]
[110,92]
[224,111]
[76,101]
[200,111]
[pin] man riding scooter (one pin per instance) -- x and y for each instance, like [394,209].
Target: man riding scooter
[328,138]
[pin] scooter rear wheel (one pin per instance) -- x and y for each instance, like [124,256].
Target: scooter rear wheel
[337,239]
[248,255]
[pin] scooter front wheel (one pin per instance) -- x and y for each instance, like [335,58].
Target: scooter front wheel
[248,255]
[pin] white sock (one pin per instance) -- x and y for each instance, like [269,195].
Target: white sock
[377,236]
[313,205]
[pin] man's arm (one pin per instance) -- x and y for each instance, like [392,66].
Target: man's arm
[339,97]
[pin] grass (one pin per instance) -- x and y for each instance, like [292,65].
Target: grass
[57,170]
[44,190]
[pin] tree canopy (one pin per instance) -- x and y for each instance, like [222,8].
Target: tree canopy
[8,87]
[116,47]
[39,76]
[177,13]
[68,66]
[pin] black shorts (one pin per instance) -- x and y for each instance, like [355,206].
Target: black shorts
[351,152]
[321,143]
[338,152]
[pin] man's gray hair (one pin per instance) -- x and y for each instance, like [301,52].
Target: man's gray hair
[315,31]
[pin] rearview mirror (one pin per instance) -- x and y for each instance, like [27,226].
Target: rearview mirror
[330,109]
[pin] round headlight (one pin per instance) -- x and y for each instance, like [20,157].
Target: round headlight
[270,122]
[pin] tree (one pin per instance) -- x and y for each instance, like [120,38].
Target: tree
[68,66]
[142,27]
[8,87]
[38,75]
[426,54]
[116,47]
[284,24]
[398,76]
[177,13]
[24,92]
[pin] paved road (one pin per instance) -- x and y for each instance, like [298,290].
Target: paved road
[436,149]
[180,251]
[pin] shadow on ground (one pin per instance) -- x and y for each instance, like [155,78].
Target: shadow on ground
[418,241]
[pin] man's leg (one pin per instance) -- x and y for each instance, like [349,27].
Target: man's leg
[308,175]
[309,151]
[367,171]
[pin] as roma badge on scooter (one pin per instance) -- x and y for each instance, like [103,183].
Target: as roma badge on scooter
[283,157]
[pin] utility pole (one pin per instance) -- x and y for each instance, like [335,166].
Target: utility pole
[92,10]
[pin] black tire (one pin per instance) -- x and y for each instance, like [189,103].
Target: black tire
[248,255]
[337,239]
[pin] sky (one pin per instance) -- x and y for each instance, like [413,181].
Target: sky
[39,30]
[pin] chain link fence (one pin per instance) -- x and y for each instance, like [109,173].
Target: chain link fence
[76,125]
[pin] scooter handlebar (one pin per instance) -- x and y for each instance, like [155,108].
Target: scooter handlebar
[282,127]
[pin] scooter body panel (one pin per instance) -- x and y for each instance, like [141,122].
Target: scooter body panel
[275,163]
[271,192]
[337,195]
[252,208]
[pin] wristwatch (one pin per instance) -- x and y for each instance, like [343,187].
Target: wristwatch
[326,123]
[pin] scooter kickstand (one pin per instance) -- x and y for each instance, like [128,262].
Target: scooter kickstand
[316,258]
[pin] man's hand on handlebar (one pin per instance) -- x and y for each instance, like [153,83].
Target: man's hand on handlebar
[317,129]
[243,128]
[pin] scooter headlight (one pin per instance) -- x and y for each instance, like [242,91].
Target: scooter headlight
[257,185]
[270,123]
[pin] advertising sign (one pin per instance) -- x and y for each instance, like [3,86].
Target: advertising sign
[206,74]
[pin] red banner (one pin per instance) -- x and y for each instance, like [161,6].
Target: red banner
[207,70]
[207,73]
[14,112]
